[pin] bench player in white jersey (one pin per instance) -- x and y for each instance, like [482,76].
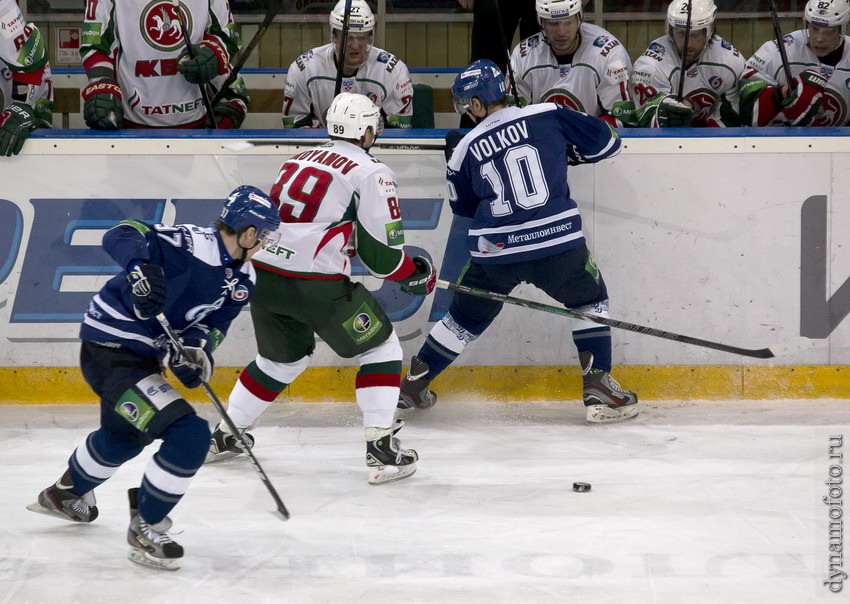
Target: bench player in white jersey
[819,59]
[367,70]
[711,83]
[26,87]
[139,70]
[336,201]
[573,63]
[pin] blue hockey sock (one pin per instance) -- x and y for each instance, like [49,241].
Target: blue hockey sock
[436,357]
[596,340]
[98,458]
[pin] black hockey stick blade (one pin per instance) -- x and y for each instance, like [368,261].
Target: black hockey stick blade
[758,353]
[178,345]
[239,63]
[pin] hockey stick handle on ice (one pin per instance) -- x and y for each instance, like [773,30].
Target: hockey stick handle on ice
[759,353]
[271,13]
[178,345]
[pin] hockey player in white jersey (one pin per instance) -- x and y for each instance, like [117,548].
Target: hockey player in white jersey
[26,87]
[368,70]
[573,63]
[140,72]
[713,67]
[336,201]
[819,60]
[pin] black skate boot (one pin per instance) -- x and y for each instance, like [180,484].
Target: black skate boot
[58,500]
[388,461]
[604,399]
[223,445]
[414,387]
[150,544]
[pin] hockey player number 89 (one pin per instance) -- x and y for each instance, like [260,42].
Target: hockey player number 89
[528,188]
[305,194]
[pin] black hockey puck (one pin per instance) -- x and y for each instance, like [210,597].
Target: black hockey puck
[581,487]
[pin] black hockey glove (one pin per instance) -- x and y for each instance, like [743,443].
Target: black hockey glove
[423,280]
[102,107]
[196,366]
[209,61]
[453,137]
[15,125]
[148,288]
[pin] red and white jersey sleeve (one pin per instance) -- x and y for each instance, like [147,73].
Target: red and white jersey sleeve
[24,69]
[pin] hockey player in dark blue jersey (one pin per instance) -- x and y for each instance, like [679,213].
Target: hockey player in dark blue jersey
[509,175]
[200,279]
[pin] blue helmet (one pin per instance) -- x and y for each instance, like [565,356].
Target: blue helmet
[481,79]
[247,206]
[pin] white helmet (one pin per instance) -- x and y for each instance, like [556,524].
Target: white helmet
[702,15]
[828,13]
[557,9]
[350,115]
[362,19]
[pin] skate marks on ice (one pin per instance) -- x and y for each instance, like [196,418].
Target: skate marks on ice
[697,502]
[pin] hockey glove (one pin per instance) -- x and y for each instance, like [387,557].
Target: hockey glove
[15,125]
[209,61]
[196,366]
[102,107]
[147,282]
[423,280]
[228,115]
[674,114]
[804,102]
[453,138]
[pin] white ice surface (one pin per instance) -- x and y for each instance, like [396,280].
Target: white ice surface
[696,502]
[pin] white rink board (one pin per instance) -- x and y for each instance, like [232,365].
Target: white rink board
[695,236]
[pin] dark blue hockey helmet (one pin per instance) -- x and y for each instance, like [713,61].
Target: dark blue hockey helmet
[481,79]
[248,206]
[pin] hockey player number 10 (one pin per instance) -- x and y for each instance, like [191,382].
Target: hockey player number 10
[304,195]
[528,188]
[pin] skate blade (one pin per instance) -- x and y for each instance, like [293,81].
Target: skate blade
[385,474]
[603,414]
[40,509]
[141,557]
[223,456]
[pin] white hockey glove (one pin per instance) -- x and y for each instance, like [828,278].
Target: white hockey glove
[197,364]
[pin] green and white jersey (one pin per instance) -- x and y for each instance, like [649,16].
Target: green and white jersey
[709,82]
[595,82]
[141,40]
[311,80]
[335,200]
[24,71]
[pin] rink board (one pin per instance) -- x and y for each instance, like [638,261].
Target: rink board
[738,237]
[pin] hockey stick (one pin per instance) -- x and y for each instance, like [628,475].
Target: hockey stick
[204,97]
[178,345]
[759,353]
[343,44]
[685,52]
[271,13]
[780,44]
[500,24]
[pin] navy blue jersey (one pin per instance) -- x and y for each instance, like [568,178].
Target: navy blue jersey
[206,288]
[509,175]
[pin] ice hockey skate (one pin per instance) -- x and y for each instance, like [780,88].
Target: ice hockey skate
[604,399]
[414,387]
[57,500]
[386,459]
[223,445]
[150,544]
